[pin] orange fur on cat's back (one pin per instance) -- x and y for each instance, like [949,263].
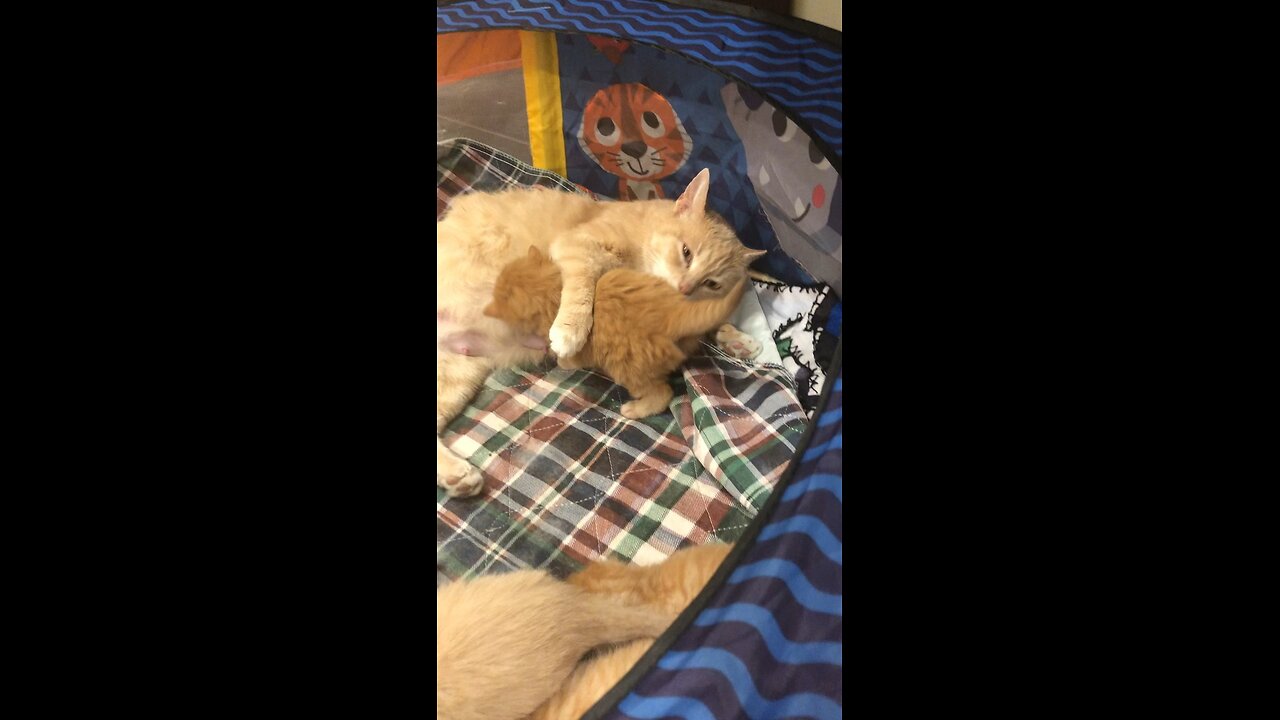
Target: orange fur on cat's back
[639,323]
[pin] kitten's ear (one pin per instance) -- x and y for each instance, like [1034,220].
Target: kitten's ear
[694,198]
[750,255]
[534,254]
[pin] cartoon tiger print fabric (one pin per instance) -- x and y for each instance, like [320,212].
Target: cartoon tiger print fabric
[634,133]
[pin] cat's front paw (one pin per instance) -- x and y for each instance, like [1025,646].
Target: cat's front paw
[568,336]
[736,343]
[459,479]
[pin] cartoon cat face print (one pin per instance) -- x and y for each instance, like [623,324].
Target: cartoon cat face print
[634,133]
[787,168]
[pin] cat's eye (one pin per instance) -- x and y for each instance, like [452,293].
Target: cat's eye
[652,124]
[684,250]
[607,131]
[712,284]
[783,127]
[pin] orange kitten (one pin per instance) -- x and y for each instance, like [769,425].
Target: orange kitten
[669,586]
[639,322]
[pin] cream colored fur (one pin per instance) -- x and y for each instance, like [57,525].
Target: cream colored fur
[591,680]
[505,643]
[668,586]
[482,232]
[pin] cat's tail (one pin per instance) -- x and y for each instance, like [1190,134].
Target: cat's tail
[702,316]
[608,621]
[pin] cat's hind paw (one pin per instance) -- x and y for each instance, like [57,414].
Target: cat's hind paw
[646,406]
[637,409]
[735,343]
[460,480]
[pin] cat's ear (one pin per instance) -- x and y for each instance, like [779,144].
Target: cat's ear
[534,254]
[750,255]
[694,198]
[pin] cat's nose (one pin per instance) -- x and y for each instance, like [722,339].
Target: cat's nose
[635,149]
[685,288]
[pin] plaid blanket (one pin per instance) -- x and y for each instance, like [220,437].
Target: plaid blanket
[463,166]
[568,479]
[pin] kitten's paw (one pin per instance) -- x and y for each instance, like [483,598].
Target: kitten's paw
[736,343]
[460,480]
[567,338]
[637,409]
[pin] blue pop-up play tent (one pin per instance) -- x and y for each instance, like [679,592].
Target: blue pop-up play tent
[629,100]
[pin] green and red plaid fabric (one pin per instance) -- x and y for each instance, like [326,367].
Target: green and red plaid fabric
[568,479]
[464,165]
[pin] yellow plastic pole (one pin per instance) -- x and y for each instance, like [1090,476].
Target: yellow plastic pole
[542,95]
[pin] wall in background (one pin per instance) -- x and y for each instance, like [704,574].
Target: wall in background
[823,12]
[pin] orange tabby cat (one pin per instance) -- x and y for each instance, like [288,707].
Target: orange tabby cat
[640,322]
[634,133]
[669,587]
[679,241]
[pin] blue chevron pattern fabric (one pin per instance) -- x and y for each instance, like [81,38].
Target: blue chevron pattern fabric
[768,644]
[801,74]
